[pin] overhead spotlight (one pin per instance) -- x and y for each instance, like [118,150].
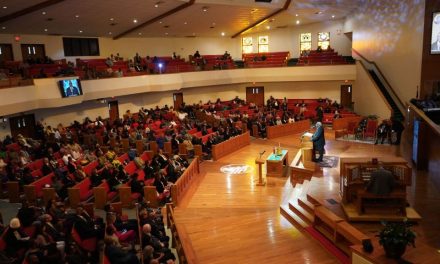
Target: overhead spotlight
[166,33]
[80,31]
[76,16]
[333,16]
[223,34]
[3,28]
[297,22]
[267,27]
[45,29]
[156,5]
[111,19]
[140,33]
[110,33]
[160,22]
[185,23]
[205,8]
[135,20]
[43,13]
[296,15]
[4,7]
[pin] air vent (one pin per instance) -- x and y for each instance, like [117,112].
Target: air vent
[190,36]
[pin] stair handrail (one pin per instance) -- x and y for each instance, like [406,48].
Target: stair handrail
[371,65]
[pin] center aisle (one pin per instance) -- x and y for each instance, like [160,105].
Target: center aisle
[231,220]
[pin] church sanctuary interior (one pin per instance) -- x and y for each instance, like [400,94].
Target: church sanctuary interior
[219,131]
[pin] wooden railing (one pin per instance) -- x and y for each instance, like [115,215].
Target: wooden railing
[342,123]
[181,240]
[287,129]
[230,145]
[179,188]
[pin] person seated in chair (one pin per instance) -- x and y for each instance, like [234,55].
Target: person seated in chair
[383,132]
[381,181]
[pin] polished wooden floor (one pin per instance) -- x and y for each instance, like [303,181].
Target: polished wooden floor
[231,220]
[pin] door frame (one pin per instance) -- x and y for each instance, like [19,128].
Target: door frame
[111,104]
[342,92]
[174,100]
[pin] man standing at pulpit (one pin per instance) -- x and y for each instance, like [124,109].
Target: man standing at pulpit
[318,140]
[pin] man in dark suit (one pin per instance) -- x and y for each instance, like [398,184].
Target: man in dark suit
[71,90]
[318,140]
[381,182]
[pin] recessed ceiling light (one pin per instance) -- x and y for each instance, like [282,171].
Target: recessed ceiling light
[80,31]
[77,16]
[296,15]
[45,29]
[333,16]
[160,22]
[3,27]
[43,13]
[185,23]
[140,33]
[205,8]
[297,22]
[110,33]
[4,7]
[135,21]
[166,33]
[111,19]
[267,27]
[223,34]
[318,13]
[156,5]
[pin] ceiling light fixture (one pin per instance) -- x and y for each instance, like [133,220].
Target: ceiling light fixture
[43,13]
[4,7]
[110,33]
[80,31]
[297,22]
[45,29]
[267,27]
[156,5]
[296,15]
[223,34]
[135,20]
[185,23]
[166,33]
[3,28]
[205,8]
[140,33]
[111,19]
[333,16]
[76,16]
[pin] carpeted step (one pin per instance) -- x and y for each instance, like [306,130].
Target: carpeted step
[292,218]
[328,245]
[306,205]
[302,213]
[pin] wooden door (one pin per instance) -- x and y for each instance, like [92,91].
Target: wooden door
[255,95]
[24,125]
[113,111]
[178,100]
[33,51]
[346,93]
[6,53]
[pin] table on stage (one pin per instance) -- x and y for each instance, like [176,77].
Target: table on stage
[275,163]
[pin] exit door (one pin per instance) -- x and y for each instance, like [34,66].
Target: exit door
[346,94]
[35,52]
[113,111]
[24,125]
[178,100]
[255,95]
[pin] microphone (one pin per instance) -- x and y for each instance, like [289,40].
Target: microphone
[263,152]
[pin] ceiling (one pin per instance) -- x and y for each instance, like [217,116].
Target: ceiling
[204,18]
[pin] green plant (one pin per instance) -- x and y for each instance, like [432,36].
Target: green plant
[397,233]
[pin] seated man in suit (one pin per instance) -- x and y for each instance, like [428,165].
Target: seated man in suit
[381,181]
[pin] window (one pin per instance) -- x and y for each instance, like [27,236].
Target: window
[81,46]
[305,42]
[247,45]
[324,40]
[263,44]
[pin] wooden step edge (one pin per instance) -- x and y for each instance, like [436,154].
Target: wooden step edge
[302,213]
[292,218]
[306,205]
[312,200]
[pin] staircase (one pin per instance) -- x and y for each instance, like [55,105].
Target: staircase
[396,111]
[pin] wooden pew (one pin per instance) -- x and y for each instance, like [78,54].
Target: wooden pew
[182,150]
[140,146]
[81,192]
[150,195]
[125,144]
[167,149]
[153,147]
[34,190]
[300,170]
[125,196]
[198,151]
[13,191]
[179,188]
[347,235]
[396,198]
[180,238]
[287,129]
[102,195]
[230,145]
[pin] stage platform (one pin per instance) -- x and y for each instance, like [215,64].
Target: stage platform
[353,216]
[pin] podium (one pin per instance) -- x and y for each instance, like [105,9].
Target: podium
[307,148]
[260,162]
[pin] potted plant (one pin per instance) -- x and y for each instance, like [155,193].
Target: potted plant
[394,238]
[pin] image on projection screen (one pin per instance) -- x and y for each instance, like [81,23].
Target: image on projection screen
[435,37]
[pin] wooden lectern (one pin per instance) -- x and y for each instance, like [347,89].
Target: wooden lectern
[260,162]
[307,148]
